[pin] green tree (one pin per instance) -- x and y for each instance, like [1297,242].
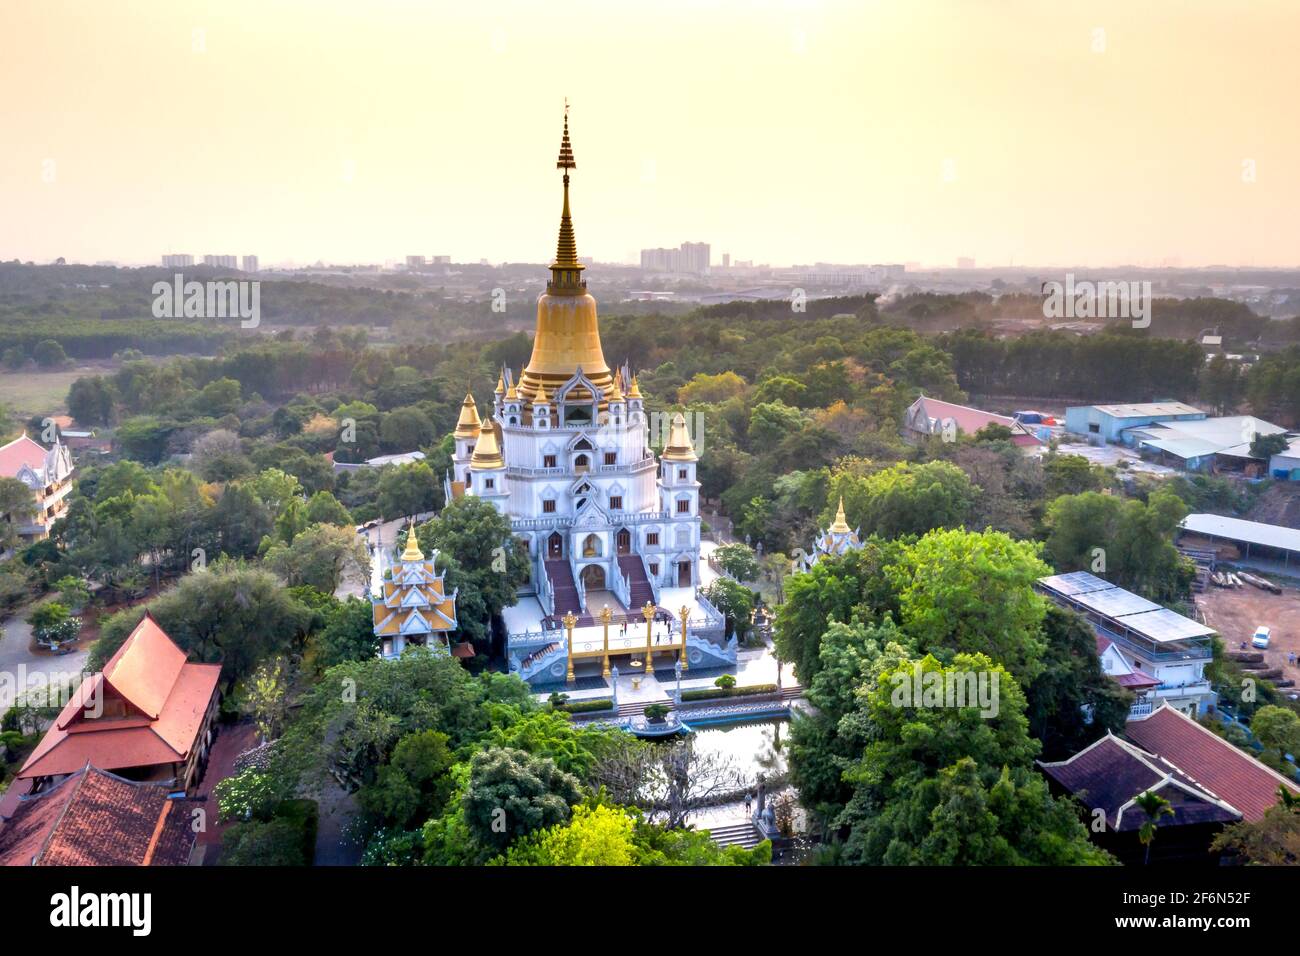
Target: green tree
[512,793]
[1278,729]
[973,591]
[324,508]
[91,400]
[319,557]
[17,507]
[903,499]
[737,560]
[49,354]
[1155,807]
[408,489]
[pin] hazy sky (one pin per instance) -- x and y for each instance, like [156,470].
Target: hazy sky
[1025,131]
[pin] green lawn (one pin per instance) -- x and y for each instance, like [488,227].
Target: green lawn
[37,393]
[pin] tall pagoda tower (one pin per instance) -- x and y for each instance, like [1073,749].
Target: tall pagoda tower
[564,454]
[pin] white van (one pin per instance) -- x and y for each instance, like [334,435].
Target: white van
[1261,637]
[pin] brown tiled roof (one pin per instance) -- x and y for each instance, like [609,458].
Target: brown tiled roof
[94,818]
[165,700]
[1216,764]
[1111,774]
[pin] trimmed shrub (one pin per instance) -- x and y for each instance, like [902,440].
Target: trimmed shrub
[711,693]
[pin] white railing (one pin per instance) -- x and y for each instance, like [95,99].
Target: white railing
[622,585]
[652,578]
[545,592]
[577,583]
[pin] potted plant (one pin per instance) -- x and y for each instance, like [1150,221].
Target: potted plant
[656,713]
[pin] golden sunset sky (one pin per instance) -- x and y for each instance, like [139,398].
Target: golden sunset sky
[1038,132]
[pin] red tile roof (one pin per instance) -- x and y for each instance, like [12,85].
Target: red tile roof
[21,451]
[971,420]
[1215,764]
[95,818]
[165,701]
[1110,774]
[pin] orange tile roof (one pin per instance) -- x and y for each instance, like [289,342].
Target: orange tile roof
[95,818]
[1228,771]
[165,701]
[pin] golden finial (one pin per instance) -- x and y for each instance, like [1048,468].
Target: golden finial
[566,160]
[635,390]
[412,552]
[540,398]
[501,383]
[840,525]
[487,450]
[512,393]
[566,272]
[468,423]
[679,446]
[616,391]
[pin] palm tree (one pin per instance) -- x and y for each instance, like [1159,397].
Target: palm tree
[1155,807]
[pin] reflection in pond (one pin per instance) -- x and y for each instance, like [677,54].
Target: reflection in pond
[751,748]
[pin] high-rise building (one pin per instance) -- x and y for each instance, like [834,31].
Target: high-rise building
[250,264]
[221,262]
[690,257]
[177,262]
[414,262]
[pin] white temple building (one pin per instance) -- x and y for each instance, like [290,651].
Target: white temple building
[565,455]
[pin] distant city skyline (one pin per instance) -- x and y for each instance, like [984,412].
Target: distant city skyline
[924,132]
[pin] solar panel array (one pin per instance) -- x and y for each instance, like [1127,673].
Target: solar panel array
[1129,610]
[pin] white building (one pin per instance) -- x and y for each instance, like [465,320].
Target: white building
[177,262]
[251,264]
[836,540]
[564,454]
[1152,642]
[48,472]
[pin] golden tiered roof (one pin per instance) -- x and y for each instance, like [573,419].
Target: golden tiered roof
[414,601]
[468,424]
[568,333]
[487,450]
[679,446]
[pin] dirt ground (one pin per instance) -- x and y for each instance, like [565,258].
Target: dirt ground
[1235,613]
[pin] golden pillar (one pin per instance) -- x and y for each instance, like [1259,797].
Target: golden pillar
[648,612]
[685,612]
[605,615]
[569,621]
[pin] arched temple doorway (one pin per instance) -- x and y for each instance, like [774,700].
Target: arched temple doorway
[555,545]
[593,577]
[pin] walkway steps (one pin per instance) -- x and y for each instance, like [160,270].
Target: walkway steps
[736,834]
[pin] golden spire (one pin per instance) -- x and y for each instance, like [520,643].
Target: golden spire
[501,383]
[540,398]
[840,525]
[616,392]
[568,333]
[467,425]
[412,552]
[679,441]
[487,450]
[565,273]
[635,390]
[512,393]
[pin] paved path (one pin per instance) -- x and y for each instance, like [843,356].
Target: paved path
[21,668]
